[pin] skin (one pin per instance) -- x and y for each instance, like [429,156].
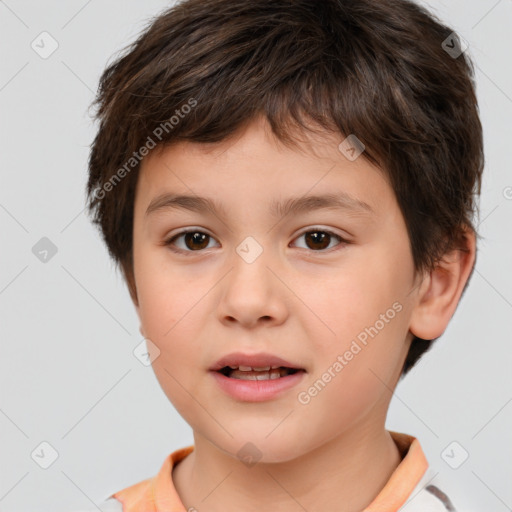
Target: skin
[297,300]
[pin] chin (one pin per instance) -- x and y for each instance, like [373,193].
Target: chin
[254,450]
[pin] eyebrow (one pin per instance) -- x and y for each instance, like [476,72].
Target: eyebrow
[294,205]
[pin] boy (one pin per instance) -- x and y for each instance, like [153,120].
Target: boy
[325,157]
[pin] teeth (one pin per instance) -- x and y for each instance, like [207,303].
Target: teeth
[253,369]
[264,375]
[257,372]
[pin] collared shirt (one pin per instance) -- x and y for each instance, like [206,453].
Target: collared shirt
[407,490]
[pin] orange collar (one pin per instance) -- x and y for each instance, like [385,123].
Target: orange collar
[159,494]
[405,477]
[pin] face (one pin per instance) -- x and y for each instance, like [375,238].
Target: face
[327,289]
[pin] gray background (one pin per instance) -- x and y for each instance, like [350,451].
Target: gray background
[68,375]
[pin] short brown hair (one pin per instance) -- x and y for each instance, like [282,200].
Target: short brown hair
[374,68]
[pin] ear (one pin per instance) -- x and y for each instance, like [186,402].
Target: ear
[129,278]
[440,291]
[133,295]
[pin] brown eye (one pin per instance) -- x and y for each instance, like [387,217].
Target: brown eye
[319,240]
[193,241]
[196,240]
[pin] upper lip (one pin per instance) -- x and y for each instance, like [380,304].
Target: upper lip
[260,360]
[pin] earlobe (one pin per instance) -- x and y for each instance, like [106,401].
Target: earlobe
[441,290]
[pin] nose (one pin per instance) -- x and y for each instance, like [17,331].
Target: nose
[253,292]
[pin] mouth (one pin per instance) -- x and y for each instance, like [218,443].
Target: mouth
[256,377]
[257,373]
[261,366]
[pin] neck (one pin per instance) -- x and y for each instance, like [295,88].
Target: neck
[345,475]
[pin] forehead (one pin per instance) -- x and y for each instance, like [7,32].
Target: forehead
[254,165]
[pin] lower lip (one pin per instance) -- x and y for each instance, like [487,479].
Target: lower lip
[257,390]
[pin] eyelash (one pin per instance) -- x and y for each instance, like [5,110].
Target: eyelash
[169,242]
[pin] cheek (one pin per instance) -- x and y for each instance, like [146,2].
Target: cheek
[166,296]
[349,302]
[353,377]
[171,312]
[366,311]
[169,319]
